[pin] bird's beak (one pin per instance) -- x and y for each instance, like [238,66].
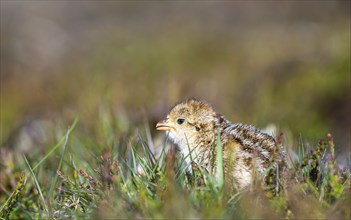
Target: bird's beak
[163,126]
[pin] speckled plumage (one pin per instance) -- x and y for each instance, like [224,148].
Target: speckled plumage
[193,126]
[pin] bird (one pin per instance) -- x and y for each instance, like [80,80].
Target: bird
[194,127]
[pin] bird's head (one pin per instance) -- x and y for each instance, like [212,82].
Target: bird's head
[190,124]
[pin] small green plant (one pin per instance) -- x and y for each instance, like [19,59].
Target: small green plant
[11,202]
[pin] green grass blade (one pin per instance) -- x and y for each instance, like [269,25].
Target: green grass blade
[147,151]
[57,145]
[37,186]
[219,163]
[148,135]
[53,185]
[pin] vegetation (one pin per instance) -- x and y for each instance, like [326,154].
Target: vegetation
[123,177]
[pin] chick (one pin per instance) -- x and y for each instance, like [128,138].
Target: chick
[194,127]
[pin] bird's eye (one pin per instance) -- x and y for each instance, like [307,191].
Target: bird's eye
[180,121]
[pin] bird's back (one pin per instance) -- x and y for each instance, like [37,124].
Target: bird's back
[253,151]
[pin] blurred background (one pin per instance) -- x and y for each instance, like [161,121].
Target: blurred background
[285,64]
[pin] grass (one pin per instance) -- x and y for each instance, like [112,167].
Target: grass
[124,178]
